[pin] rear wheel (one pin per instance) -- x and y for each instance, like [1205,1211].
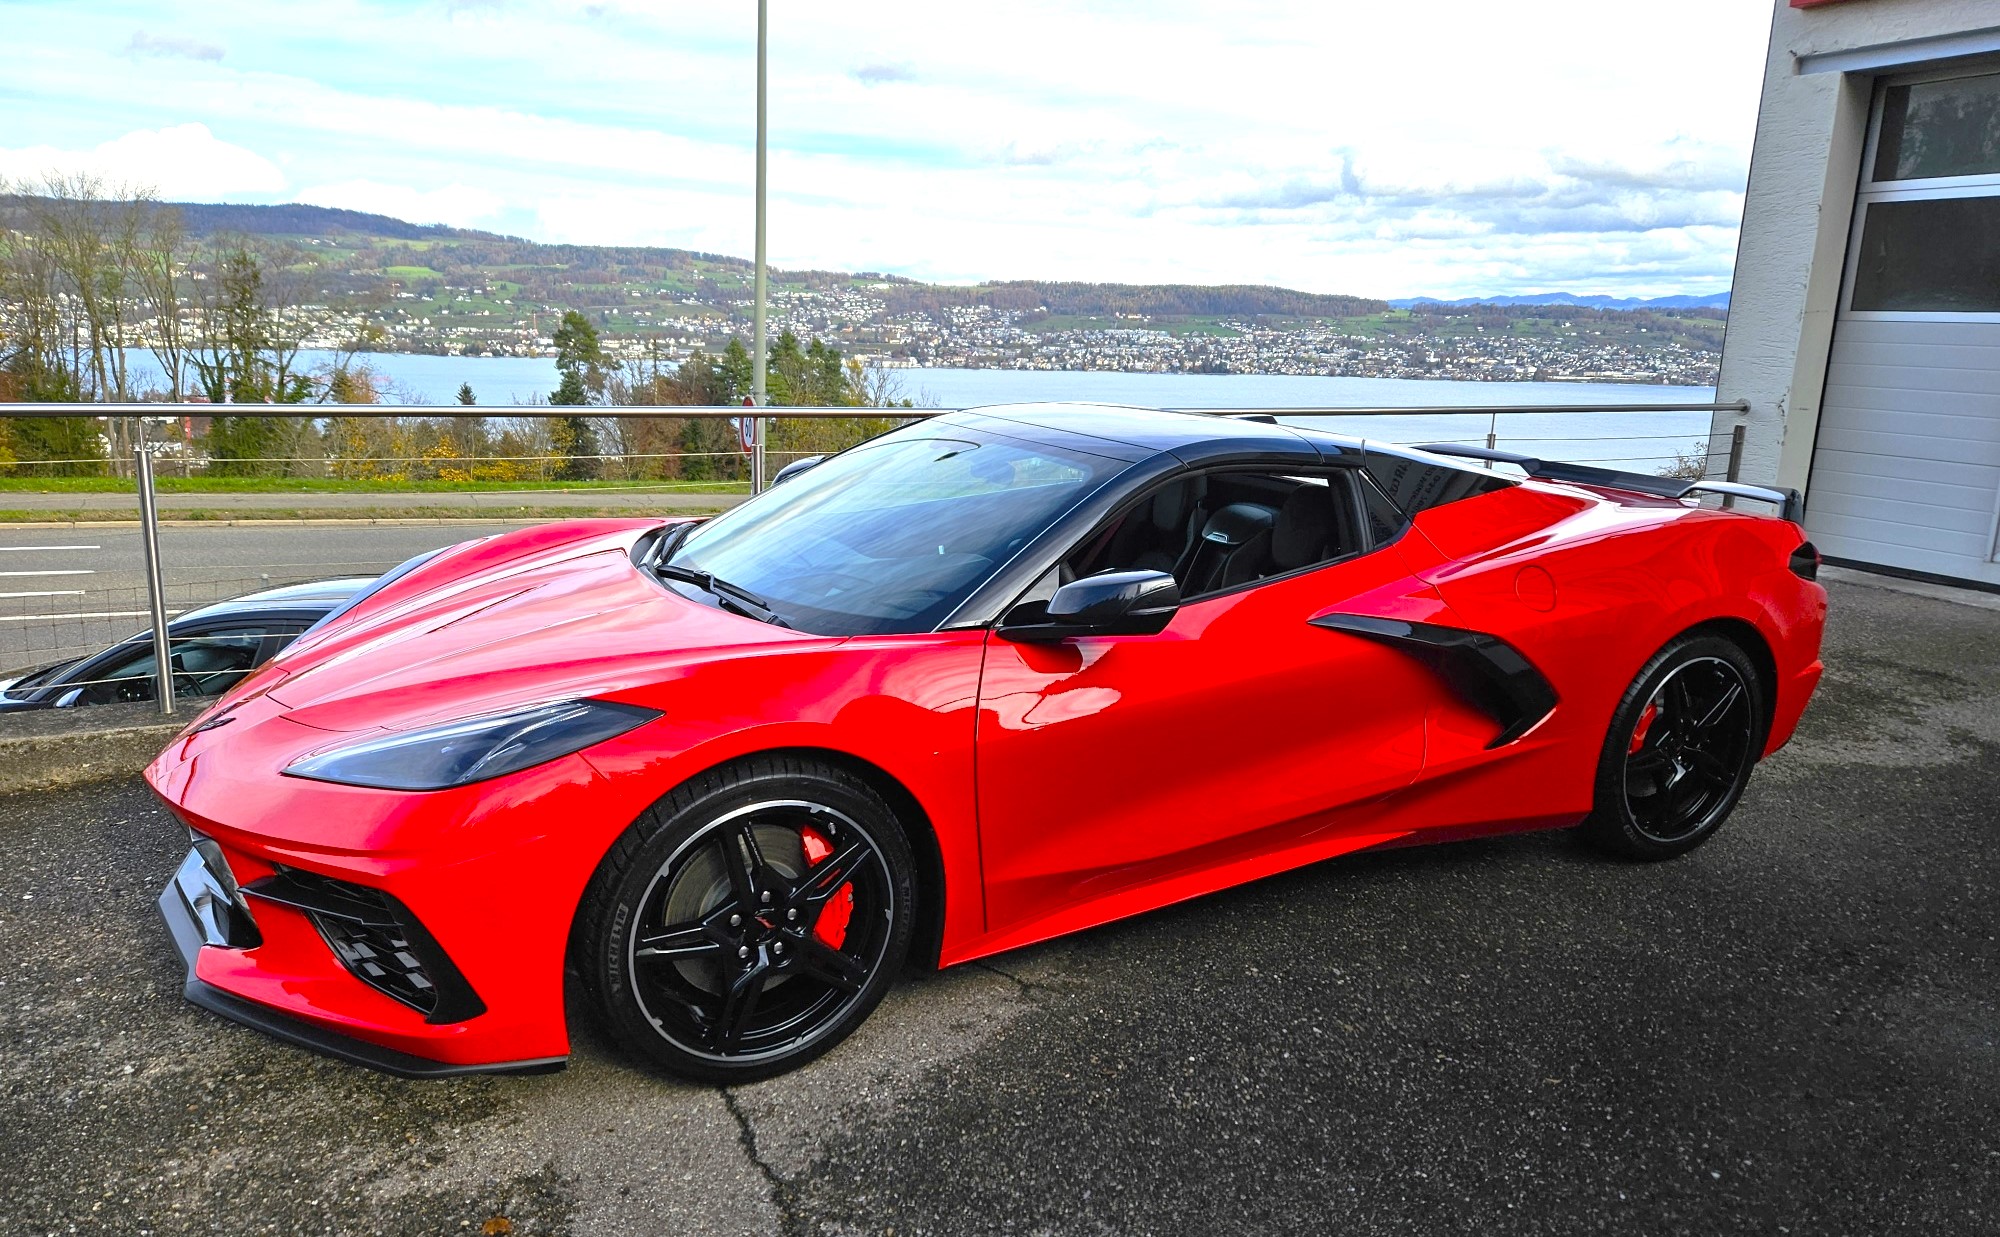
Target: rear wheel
[749,921]
[1680,750]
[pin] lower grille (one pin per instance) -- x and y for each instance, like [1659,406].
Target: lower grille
[378,940]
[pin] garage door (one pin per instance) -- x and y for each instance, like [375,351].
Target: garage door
[1906,465]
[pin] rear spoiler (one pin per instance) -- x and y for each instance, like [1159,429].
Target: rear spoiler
[1790,504]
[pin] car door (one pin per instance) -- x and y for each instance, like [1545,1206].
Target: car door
[1110,764]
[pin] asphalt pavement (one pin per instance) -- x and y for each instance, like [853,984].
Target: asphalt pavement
[1792,1030]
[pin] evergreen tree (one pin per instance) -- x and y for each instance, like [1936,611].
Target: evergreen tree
[578,352]
[465,395]
[580,358]
[737,371]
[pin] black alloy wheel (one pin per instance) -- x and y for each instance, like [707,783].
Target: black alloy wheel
[1680,749]
[751,920]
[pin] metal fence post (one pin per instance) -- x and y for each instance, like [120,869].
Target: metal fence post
[149,539]
[1735,470]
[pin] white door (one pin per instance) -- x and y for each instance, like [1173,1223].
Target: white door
[1906,465]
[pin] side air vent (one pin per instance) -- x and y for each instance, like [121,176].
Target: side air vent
[1805,561]
[378,940]
[1485,671]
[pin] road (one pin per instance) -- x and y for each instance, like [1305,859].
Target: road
[86,570]
[1792,1030]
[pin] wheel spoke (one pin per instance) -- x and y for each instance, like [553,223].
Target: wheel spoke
[742,860]
[1711,767]
[1683,700]
[842,970]
[1651,765]
[825,879]
[1721,707]
[685,940]
[739,1004]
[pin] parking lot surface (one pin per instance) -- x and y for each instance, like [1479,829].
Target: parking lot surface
[1792,1030]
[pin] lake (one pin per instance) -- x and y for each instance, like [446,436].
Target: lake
[1643,442]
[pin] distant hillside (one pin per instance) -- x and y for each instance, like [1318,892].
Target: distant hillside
[1719,300]
[298,219]
[589,274]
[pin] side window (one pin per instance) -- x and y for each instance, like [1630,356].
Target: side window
[204,666]
[125,678]
[210,665]
[1222,530]
[1384,521]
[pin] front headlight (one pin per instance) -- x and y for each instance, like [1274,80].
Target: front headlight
[472,750]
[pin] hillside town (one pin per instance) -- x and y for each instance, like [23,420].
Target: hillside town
[1609,347]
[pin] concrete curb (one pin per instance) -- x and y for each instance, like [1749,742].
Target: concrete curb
[68,747]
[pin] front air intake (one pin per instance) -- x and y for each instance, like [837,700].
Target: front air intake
[378,940]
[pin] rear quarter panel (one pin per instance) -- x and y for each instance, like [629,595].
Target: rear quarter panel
[1589,588]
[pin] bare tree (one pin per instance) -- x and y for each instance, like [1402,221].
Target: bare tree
[160,270]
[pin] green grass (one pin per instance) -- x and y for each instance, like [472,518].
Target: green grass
[317,485]
[411,272]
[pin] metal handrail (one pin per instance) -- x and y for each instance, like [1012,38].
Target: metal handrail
[142,461]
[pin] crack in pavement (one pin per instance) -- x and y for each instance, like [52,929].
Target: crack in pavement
[783,1196]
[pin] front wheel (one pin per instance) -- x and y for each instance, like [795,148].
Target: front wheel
[1680,750]
[750,920]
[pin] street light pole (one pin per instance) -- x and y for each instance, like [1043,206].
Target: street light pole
[759,350]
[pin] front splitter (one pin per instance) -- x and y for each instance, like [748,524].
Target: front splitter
[187,936]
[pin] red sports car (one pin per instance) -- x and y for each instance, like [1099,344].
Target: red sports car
[986,679]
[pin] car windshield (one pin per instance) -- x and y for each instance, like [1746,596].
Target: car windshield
[891,536]
[26,685]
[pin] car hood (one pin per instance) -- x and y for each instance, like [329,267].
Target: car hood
[484,631]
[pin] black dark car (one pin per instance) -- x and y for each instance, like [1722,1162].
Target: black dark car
[213,647]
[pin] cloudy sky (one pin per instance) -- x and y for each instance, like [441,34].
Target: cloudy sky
[1441,147]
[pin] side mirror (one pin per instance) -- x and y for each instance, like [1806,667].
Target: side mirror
[69,699]
[796,467]
[1111,603]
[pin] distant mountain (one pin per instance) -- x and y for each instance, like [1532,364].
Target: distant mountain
[1718,300]
[298,219]
[378,253]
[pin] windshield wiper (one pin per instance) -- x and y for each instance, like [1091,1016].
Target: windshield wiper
[735,596]
[670,540]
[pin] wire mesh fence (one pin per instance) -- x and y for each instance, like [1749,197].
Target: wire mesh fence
[661,452]
[43,627]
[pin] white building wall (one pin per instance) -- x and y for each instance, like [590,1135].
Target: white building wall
[1804,168]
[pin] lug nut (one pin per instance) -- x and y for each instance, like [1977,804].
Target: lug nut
[742,951]
[778,948]
[793,913]
[736,921]
[767,895]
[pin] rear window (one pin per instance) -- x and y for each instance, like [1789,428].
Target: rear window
[1414,485]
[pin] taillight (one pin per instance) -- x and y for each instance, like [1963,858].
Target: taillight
[1805,561]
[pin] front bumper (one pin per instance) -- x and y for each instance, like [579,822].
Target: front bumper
[206,911]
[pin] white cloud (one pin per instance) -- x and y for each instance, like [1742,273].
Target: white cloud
[173,46]
[1452,148]
[182,163]
[460,206]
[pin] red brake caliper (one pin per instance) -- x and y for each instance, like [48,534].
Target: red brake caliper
[832,925]
[1638,732]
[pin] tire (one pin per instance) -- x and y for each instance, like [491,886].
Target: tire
[1680,749]
[689,979]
